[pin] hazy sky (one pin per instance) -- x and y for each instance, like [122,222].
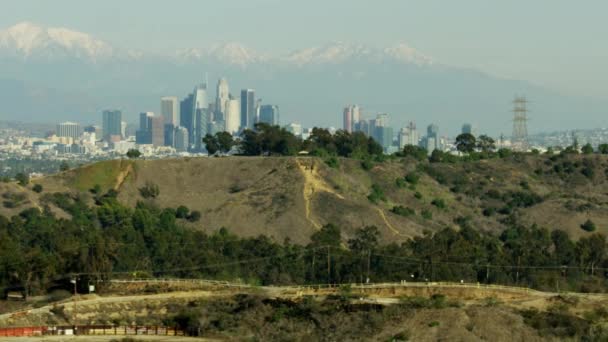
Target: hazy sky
[556,43]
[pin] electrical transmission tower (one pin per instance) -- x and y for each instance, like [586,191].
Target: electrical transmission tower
[520,124]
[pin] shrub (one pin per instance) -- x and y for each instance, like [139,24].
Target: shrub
[182,212]
[367,164]
[96,190]
[37,188]
[150,190]
[412,178]
[489,212]
[194,216]
[332,162]
[133,153]
[22,178]
[376,195]
[433,324]
[418,195]
[401,183]
[403,211]
[235,189]
[426,214]
[439,203]
[588,226]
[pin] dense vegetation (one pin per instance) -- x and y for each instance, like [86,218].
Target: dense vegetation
[274,140]
[110,239]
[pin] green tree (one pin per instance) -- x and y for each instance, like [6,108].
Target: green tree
[603,148]
[149,190]
[588,226]
[133,153]
[37,188]
[194,216]
[211,144]
[364,243]
[466,143]
[225,141]
[587,149]
[22,178]
[505,153]
[485,143]
[415,152]
[182,212]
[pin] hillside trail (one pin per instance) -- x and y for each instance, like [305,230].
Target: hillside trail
[122,176]
[313,183]
[390,226]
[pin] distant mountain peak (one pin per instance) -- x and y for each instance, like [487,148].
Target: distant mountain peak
[232,53]
[28,40]
[340,52]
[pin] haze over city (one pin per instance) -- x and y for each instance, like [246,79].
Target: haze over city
[278,170]
[428,62]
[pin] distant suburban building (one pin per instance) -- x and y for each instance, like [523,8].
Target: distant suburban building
[295,129]
[468,128]
[69,129]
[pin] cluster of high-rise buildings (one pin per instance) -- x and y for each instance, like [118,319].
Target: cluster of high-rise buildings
[181,124]
[380,129]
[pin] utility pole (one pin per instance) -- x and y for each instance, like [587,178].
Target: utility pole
[369,256]
[520,124]
[314,254]
[328,267]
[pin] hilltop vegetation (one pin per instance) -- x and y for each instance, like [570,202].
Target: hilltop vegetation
[110,239]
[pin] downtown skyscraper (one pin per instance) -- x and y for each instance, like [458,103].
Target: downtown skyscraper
[248,108]
[112,125]
[222,98]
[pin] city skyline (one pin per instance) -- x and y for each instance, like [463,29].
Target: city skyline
[449,32]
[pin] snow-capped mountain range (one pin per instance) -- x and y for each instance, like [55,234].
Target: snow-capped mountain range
[51,74]
[29,41]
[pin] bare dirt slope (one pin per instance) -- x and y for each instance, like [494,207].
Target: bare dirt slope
[293,197]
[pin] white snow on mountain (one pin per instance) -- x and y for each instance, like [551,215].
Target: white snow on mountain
[27,40]
[229,53]
[340,52]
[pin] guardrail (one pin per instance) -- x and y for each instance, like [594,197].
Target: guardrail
[331,286]
[179,280]
[91,330]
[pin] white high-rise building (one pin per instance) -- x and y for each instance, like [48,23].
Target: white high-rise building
[232,116]
[169,109]
[200,97]
[69,129]
[200,110]
[356,115]
[223,95]
[409,135]
[294,128]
